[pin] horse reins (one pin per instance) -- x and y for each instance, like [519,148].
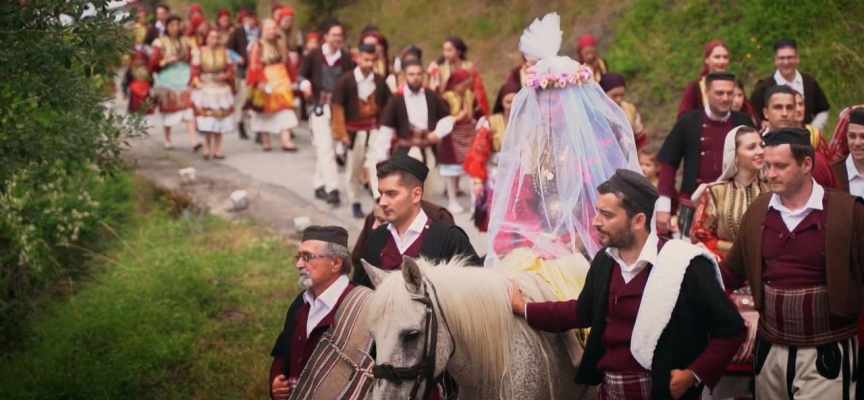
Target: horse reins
[425,368]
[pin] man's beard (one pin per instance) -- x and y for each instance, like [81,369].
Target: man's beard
[620,240]
[304,279]
[414,88]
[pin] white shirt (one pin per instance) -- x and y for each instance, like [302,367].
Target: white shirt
[411,234]
[648,255]
[365,85]
[856,180]
[794,217]
[320,307]
[331,58]
[711,116]
[160,27]
[418,115]
[797,82]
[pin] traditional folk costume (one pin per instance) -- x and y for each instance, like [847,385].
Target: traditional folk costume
[698,139]
[481,162]
[815,102]
[137,84]
[439,74]
[425,237]
[410,117]
[518,76]
[172,79]
[357,104]
[320,71]
[611,81]
[214,99]
[452,150]
[694,93]
[848,178]
[838,149]
[599,67]
[313,325]
[273,107]
[804,270]
[667,311]
[822,172]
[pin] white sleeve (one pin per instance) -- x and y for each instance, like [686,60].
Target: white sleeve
[444,126]
[820,119]
[664,204]
[382,143]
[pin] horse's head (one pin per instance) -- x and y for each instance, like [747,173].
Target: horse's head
[412,339]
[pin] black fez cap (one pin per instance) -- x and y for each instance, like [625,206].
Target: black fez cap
[330,234]
[786,136]
[785,42]
[636,188]
[408,164]
[719,76]
[367,48]
[857,116]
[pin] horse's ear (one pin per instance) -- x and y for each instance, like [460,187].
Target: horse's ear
[411,273]
[376,275]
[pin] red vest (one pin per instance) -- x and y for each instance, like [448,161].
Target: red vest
[391,259]
[621,312]
[711,148]
[794,259]
[302,347]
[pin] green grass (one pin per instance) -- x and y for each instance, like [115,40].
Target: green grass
[658,46]
[173,309]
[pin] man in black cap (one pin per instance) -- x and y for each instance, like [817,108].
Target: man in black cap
[697,139]
[410,231]
[801,248]
[358,100]
[850,170]
[656,332]
[323,263]
[786,61]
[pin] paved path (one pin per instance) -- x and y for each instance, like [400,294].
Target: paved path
[250,166]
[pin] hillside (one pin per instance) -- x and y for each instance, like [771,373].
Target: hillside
[656,44]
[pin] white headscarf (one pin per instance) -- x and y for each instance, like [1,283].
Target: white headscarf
[729,166]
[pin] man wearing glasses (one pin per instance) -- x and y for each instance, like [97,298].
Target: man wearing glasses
[323,263]
[786,61]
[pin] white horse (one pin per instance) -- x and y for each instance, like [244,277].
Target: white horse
[470,331]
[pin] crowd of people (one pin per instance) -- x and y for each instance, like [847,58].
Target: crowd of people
[760,187]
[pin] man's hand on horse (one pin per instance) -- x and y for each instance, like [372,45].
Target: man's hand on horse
[281,388]
[517,302]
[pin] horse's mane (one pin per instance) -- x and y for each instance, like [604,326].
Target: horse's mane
[476,305]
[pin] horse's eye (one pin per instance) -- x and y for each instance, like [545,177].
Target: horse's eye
[410,336]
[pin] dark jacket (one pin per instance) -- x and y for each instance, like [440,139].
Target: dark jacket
[701,311]
[312,65]
[346,103]
[238,42]
[841,174]
[396,113]
[815,100]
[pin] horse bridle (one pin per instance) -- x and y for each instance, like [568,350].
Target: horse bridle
[425,368]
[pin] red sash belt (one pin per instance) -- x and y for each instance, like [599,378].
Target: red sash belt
[626,385]
[366,124]
[800,317]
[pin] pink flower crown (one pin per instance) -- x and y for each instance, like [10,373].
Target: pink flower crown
[549,81]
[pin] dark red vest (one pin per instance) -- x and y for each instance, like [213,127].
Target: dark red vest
[302,347]
[711,148]
[794,259]
[391,259]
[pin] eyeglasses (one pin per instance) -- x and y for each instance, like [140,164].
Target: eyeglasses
[306,257]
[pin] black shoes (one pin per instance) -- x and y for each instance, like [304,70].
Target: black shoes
[242,129]
[320,194]
[357,211]
[333,198]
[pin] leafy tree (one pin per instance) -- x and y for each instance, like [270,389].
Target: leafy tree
[57,139]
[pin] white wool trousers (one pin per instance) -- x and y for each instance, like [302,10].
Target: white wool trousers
[361,159]
[805,373]
[326,172]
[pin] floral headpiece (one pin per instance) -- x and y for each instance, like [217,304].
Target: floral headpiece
[552,80]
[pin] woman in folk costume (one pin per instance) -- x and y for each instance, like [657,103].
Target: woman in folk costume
[586,49]
[481,162]
[170,63]
[213,80]
[291,35]
[198,29]
[563,139]
[615,87]
[270,90]
[452,149]
[454,56]
[720,209]
[224,25]
[383,62]
[838,149]
[816,139]
[714,59]
[741,103]
[137,82]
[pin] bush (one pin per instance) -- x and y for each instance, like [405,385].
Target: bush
[658,47]
[59,147]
